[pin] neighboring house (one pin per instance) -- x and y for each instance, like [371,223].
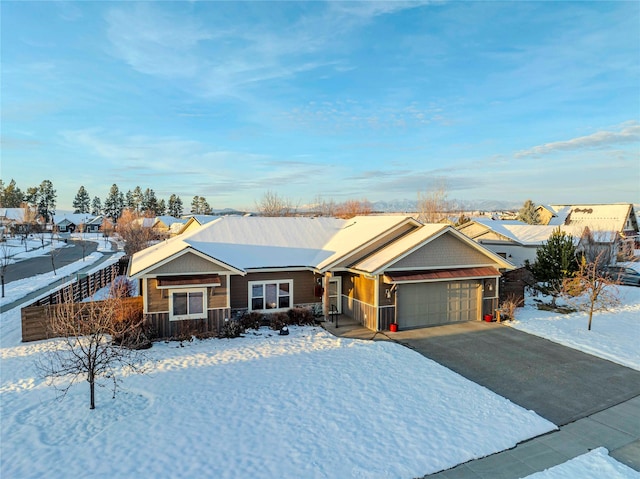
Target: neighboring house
[69,222]
[518,242]
[194,222]
[376,269]
[618,217]
[168,225]
[94,224]
[11,220]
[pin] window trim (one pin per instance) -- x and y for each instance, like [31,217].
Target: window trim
[251,284]
[179,317]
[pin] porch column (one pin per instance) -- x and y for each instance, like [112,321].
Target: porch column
[325,295]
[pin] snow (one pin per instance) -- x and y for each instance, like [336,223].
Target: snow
[614,334]
[595,464]
[263,406]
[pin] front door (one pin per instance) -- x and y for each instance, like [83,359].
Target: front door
[335,295]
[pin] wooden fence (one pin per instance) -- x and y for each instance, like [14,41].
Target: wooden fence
[36,319]
[85,286]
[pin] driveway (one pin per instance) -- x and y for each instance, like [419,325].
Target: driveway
[559,383]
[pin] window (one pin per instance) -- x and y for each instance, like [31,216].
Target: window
[187,303]
[270,295]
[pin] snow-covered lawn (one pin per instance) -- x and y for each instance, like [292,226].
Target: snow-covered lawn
[594,465]
[614,334]
[263,406]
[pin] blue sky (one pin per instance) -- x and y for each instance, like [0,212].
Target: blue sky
[227,100]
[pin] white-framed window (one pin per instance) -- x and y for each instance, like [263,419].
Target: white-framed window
[274,295]
[187,303]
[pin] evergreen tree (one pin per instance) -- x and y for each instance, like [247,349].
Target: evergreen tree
[128,200]
[10,196]
[555,261]
[96,206]
[46,200]
[137,199]
[175,206]
[149,201]
[528,213]
[161,209]
[31,196]
[199,206]
[82,201]
[114,203]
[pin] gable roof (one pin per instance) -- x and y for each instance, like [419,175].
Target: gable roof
[72,218]
[254,242]
[611,217]
[386,257]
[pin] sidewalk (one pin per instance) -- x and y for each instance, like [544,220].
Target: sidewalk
[616,428]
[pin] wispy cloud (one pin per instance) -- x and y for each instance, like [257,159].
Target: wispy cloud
[602,139]
[223,58]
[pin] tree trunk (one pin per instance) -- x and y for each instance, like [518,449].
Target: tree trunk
[92,391]
[590,317]
[53,264]
[2,279]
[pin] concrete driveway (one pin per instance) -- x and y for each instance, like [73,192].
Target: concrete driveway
[559,383]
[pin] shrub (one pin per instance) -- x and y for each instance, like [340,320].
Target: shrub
[232,329]
[278,320]
[301,316]
[509,305]
[250,320]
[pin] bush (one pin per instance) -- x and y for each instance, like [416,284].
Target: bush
[301,317]
[251,320]
[232,329]
[278,320]
[509,305]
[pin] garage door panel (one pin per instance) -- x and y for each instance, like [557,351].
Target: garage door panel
[429,304]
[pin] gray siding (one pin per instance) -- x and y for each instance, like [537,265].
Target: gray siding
[189,263]
[444,251]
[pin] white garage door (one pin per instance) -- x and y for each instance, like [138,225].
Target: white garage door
[430,304]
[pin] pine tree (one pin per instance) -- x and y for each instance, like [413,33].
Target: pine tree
[528,213]
[96,206]
[555,261]
[114,203]
[128,200]
[45,200]
[10,196]
[161,209]
[82,201]
[175,206]
[199,206]
[137,198]
[149,201]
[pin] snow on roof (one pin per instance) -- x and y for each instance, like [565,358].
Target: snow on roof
[202,219]
[399,248]
[170,220]
[535,235]
[75,218]
[14,214]
[607,217]
[260,242]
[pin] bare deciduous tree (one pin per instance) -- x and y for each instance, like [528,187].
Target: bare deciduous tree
[325,207]
[351,208]
[592,283]
[273,204]
[107,229]
[133,230]
[433,205]
[96,343]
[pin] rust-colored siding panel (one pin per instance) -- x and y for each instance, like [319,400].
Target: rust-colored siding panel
[303,286]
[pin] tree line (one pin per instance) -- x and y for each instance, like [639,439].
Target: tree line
[43,200]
